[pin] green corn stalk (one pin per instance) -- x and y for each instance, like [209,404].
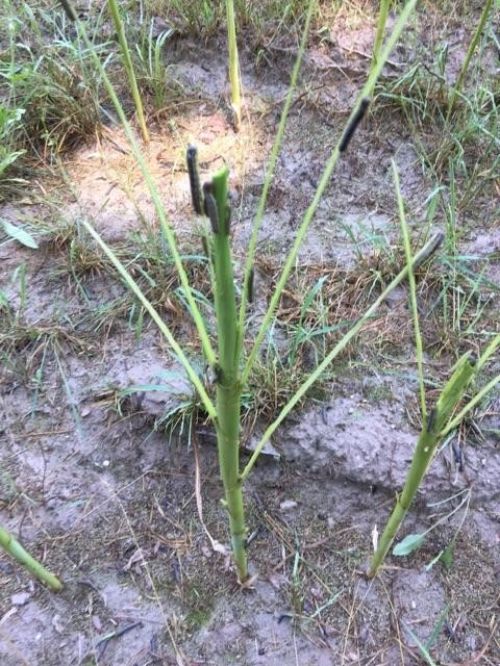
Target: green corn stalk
[228,382]
[468,57]
[226,414]
[15,550]
[234,65]
[127,62]
[429,439]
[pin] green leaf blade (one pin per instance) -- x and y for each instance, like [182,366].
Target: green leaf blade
[409,544]
[20,235]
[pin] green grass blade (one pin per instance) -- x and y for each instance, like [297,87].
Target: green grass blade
[381,23]
[365,93]
[271,166]
[339,347]
[470,405]
[413,292]
[136,290]
[468,57]
[234,64]
[129,67]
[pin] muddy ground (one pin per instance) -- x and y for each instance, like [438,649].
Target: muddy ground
[92,484]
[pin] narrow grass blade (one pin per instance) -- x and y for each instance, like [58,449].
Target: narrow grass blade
[365,93]
[271,166]
[423,650]
[20,235]
[381,23]
[234,64]
[129,67]
[468,57]
[135,289]
[413,292]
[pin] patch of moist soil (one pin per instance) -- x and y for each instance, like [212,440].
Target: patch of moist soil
[94,490]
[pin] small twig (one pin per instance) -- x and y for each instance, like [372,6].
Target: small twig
[102,644]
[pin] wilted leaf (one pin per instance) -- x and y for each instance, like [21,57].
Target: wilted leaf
[19,235]
[408,545]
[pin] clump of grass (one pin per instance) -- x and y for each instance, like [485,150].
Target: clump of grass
[50,83]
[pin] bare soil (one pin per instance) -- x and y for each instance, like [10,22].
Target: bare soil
[92,485]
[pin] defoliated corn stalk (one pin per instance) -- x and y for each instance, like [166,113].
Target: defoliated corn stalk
[15,550]
[227,370]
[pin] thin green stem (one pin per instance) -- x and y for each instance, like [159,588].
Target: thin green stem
[489,351]
[129,67]
[366,92]
[234,65]
[421,256]
[271,165]
[14,548]
[413,292]
[468,57]
[381,23]
[470,405]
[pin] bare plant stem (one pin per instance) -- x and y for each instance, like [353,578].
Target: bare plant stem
[14,548]
[228,393]
[427,443]
[413,292]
